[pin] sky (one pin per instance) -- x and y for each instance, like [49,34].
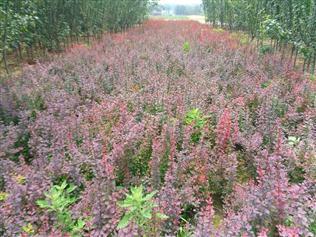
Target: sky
[181,2]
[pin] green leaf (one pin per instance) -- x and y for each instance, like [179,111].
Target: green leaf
[80,224]
[3,196]
[71,188]
[147,214]
[125,221]
[42,203]
[150,196]
[186,47]
[161,216]
[125,204]
[62,186]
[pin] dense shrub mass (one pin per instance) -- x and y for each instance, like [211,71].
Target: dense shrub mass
[170,129]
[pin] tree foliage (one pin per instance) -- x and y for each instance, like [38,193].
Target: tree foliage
[287,23]
[53,24]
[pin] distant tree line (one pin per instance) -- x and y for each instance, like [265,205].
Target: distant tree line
[53,24]
[288,23]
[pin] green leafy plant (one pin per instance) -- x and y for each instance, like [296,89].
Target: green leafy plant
[183,232]
[139,209]
[195,118]
[58,200]
[139,164]
[20,179]
[289,221]
[312,227]
[28,229]
[186,47]
[3,196]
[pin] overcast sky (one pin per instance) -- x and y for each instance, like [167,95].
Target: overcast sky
[181,2]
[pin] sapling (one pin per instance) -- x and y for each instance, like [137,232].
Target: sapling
[196,119]
[58,200]
[186,47]
[139,209]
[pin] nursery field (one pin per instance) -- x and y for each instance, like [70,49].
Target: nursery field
[170,128]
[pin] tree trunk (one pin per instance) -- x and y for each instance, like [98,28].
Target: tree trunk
[20,52]
[309,61]
[313,64]
[292,52]
[295,58]
[4,39]
[304,64]
[283,50]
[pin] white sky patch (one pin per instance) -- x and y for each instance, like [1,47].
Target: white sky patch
[181,2]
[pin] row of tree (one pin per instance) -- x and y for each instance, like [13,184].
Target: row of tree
[288,23]
[53,24]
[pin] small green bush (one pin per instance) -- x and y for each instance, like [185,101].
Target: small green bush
[195,118]
[139,209]
[183,232]
[58,200]
[139,164]
[312,227]
[3,196]
[28,229]
[186,47]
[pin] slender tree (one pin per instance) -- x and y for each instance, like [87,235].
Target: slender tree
[54,24]
[5,12]
[288,23]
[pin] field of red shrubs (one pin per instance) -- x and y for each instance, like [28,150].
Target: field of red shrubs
[168,129]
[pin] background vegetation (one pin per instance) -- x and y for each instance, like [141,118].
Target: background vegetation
[54,24]
[288,23]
